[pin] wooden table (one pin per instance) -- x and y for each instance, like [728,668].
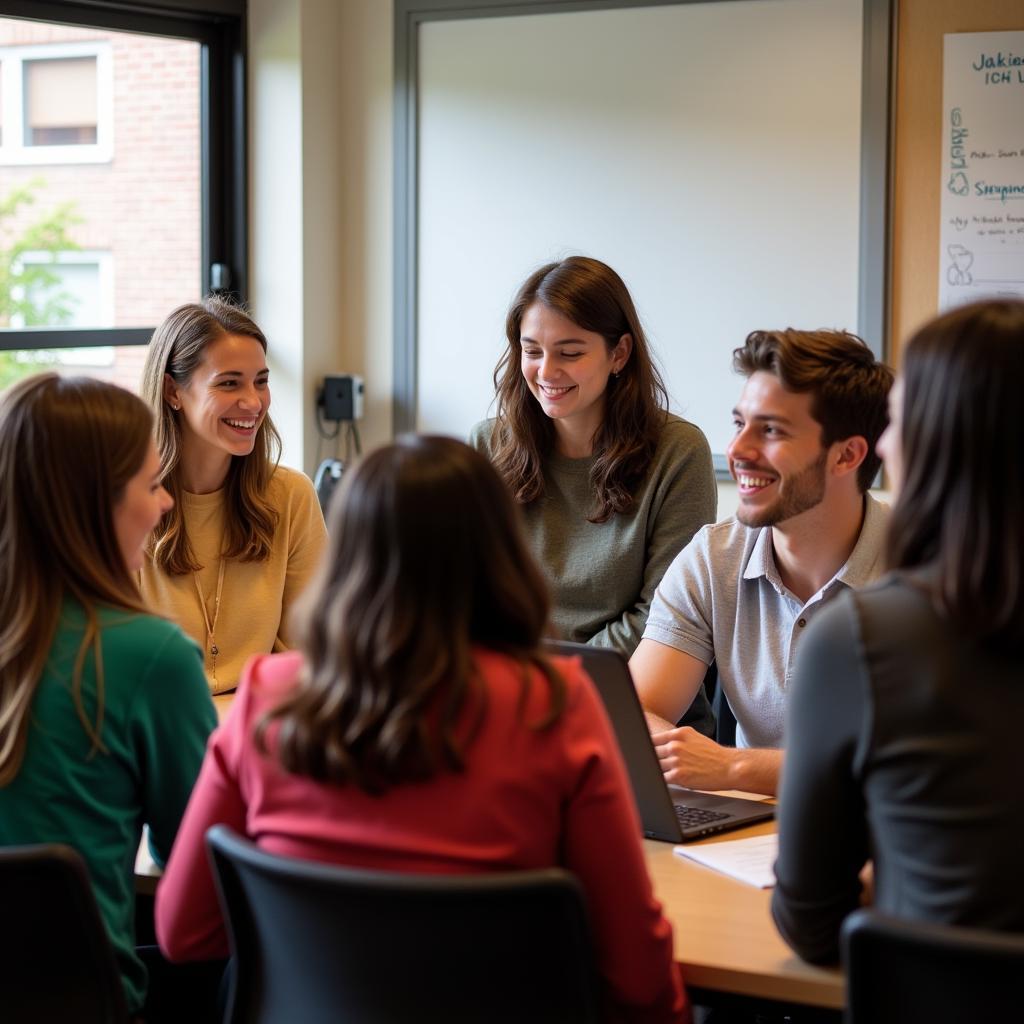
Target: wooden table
[222,702]
[724,935]
[725,938]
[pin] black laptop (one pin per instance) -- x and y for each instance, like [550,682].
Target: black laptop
[667,812]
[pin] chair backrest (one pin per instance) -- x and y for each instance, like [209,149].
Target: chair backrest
[56,961]
[902,972]
[316,943]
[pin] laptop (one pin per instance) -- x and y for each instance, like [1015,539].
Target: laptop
[669,813]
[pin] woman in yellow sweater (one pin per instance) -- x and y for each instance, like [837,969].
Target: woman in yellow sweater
[244,534]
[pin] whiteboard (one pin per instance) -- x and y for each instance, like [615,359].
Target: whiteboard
[981,227]
[709,152]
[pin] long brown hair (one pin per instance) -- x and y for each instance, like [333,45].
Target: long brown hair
[68,447]
[591,295]
[960,508]
[425,562]
[176,349]
[848,385]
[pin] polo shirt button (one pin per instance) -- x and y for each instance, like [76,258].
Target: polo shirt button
[801,622]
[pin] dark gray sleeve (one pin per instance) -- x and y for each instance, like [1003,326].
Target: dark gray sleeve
[823,833]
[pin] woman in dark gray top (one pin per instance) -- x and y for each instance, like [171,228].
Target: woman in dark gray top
[612,485]
[904,732]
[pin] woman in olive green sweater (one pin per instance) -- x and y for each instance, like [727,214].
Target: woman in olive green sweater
[611,485]
[104,709]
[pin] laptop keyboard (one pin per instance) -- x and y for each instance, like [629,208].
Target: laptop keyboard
[691,816]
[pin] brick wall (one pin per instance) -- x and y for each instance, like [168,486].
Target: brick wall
[143,206]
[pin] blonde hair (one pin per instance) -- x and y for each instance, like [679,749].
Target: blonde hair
[68,447]
[176,349]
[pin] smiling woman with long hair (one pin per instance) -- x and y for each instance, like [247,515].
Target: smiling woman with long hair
[612,486]
[903,736]
[104,710]
[244,535]
[424,730]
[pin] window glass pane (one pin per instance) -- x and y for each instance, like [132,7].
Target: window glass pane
[100,201]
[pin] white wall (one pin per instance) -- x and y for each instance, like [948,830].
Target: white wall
[683,144]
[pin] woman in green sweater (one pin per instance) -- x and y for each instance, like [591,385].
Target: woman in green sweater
[611,484]
[104,709]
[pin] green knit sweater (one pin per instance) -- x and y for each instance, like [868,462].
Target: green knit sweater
[603,575]
[157,715]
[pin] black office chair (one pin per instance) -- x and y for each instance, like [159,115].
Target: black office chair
[56,961]
[905,972]
[319,943]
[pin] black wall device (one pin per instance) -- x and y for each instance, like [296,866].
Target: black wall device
[341,398]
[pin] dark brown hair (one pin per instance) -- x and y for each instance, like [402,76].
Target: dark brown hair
[176,349]
[68,448]
[960,508]
[425,562]
[848,385]
[592,296]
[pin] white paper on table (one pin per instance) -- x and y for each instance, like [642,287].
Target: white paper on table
[748,860]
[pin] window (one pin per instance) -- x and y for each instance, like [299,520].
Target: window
[57,102]
[71,288]
[122,176]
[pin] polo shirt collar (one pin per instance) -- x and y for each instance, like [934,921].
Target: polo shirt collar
[857,571]
[862,567]
[761,560]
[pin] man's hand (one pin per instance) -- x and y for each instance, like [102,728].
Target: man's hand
[689,758]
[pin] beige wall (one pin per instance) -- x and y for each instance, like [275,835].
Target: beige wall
[918,114]
[320,145]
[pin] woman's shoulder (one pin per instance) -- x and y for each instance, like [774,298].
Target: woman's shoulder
[678,435]
[481,437]
[141,629]
[504,675]
[291,490]
[286,480]
[137,645]
[265,682]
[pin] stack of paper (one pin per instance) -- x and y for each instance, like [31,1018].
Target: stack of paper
[749,860]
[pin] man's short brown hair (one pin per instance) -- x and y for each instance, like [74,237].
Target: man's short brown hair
[848,385]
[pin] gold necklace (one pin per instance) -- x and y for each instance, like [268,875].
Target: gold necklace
[211,625]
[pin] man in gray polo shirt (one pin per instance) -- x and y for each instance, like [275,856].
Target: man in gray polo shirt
[742,593]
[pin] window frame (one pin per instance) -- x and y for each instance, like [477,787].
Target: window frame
[219,27]
[14,151]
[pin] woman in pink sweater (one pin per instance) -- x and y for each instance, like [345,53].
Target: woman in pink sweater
[452,745]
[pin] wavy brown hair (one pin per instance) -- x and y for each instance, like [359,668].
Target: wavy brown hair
[175,350]
[425,563]
[591,295]
[68,447]
[960,508]
[849,387]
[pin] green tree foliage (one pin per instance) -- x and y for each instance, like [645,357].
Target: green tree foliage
[29,292]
